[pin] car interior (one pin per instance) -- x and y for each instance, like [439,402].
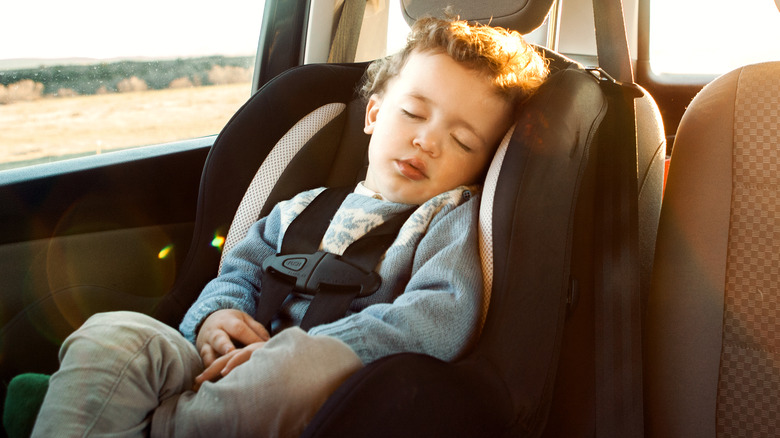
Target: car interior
[630,294]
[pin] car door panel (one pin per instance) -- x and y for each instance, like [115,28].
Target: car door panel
[95,235]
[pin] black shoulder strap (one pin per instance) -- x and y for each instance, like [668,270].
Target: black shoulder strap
[334,281]
[306,230]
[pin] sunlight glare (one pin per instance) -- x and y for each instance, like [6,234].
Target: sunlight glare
[218,241]
[165,252]
[720,38]
[144,28]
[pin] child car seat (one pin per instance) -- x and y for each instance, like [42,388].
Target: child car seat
[536,357]
[536,368]
[532,197]
[541,214]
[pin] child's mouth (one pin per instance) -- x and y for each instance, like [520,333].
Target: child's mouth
[412,168]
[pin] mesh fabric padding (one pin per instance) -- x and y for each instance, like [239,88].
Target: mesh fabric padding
[269,172]
[749,384]
[486,220]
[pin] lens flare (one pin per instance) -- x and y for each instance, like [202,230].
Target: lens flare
[218,241]
[165,252]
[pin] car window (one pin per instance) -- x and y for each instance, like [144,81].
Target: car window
[712,36]
[85,77]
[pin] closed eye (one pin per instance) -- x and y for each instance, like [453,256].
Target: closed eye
[410,115]
[462,145]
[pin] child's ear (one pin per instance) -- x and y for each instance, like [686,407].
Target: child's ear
[372,108]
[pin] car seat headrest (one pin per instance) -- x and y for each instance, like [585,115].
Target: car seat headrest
[523,16]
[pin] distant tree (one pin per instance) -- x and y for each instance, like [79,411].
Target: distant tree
[24,90]
[106,77]
[66,92]
[184,82]
[219,75]
[133,83]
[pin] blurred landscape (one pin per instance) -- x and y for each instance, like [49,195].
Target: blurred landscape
[55,111]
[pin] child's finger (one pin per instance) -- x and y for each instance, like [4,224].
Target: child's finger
[209,374]
[240,357]
[207,355]
[235,361]
[258,328]
[212,372]
[221,342]
[242,331]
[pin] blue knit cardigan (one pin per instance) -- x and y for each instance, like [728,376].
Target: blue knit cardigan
[431,297]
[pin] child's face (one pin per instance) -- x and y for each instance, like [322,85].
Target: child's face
[435,127]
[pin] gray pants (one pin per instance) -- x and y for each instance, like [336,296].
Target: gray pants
[125,374]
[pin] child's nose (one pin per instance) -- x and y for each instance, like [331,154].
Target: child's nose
[429,142]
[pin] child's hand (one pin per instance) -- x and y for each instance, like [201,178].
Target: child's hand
[225,364]
[222,328]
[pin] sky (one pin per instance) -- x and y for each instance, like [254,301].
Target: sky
[721,38]
[183,28]
[140,28]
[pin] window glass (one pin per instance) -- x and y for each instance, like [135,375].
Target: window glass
[397,30]
[712,36]
[85,76]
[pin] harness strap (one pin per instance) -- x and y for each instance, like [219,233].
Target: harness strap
[305,232]
[333,281]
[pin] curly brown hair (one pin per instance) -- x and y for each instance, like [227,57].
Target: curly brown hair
[512,65]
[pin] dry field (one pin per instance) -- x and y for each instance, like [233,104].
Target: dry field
[72,126]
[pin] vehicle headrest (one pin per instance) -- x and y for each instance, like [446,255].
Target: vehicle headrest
[521,15]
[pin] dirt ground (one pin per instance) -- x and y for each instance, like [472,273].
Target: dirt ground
[81,125]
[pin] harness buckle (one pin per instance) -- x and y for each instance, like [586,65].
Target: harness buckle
[309,272]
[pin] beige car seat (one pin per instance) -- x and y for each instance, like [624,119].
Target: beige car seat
[712,340]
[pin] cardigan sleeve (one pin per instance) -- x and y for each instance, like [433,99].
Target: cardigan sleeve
[238,283]
[439,310]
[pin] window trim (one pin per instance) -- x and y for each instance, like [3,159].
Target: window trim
[91,162]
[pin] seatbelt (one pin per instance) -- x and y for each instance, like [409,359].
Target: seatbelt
[333,281]
[617,292]
[619,410]
[611,40]
[345,41]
